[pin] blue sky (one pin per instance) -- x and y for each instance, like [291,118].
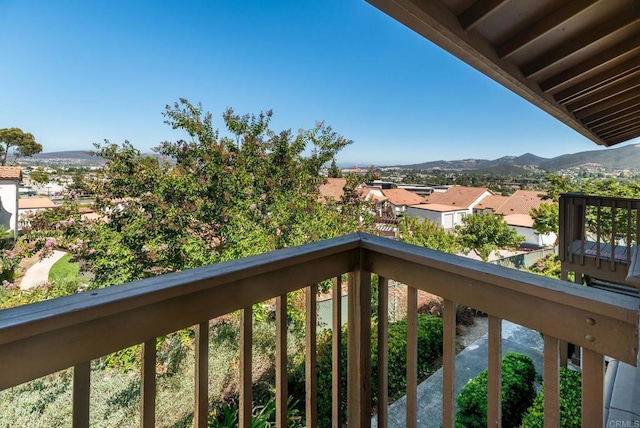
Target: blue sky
[78,72]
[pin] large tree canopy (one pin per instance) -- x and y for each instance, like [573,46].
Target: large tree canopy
[22,143]
[212,197]
[484,233]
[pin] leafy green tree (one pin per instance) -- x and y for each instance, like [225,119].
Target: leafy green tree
[427,234]
[39,175]
[334,171]
[219,196]
[484,233]
[23,144]
[545,218]
[557,185]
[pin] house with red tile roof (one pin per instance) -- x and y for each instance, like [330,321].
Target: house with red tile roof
[448,207]
[10,177]
[521,202]
[332,188]
[516,214]
[399,199]
[490,204]
[463,197]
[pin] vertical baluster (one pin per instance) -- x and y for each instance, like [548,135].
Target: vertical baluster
[614,212]
[282,394]
[81,394]
[628,243]
[598,231]
[246,355]
[201,411]
[592,388]
[563,244]
[148,387]
[359,350]
[412,357]
[310,357]
[494,405]
[551,381]
[383,351]
[582,218]
[448,363]
[637,242]
[336,354]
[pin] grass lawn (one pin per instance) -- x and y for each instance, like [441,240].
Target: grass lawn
[62,269]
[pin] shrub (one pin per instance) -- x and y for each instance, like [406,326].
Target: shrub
[263,416]
[570,403]
[518,377]
[429,350]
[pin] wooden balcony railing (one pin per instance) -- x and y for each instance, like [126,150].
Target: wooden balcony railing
[39,339]
[598,236]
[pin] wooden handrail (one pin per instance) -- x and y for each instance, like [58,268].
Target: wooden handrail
[71,331]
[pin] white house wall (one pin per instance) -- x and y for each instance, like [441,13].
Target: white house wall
[534,238]
[446,220]
[9,201]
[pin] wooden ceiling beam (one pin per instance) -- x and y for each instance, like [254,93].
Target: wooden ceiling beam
[611,114]
[632,116]
[598,81]
[583,41]
[625,49]
[629,83]
[623,130]
[479,11]
[543,26]
[607,104]
[623,137]
[631,119]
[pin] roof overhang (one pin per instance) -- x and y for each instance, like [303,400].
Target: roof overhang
[578,60]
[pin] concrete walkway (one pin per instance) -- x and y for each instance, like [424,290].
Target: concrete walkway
[469,363]
[38,274]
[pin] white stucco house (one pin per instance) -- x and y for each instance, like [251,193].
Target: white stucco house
[446,216]
[398,200]
[10,177]
[516,214]
[447,208]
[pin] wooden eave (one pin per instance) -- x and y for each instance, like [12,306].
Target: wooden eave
[578,60]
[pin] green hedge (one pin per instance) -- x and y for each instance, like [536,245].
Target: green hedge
[429,350]
[518,378]
[570,403]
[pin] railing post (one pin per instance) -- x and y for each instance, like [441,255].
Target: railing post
[383,351]
[592,388]
[562,227]
[246,359]
[148,388]
[359,349]
[81,394]
[201,410]
[282,395]
[412,357]
[336,354]
[311,364]
[494,405]
[448,363]
[551,381]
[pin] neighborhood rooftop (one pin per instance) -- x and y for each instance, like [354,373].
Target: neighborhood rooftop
[521,202]
[10,173]
[460,196]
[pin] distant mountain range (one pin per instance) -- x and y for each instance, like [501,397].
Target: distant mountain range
[627,157]
[71,154]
